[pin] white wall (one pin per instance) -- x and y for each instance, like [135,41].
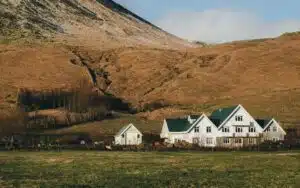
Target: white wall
[202,135]
[164,131]
[275,135]
[130,137]
[232,123]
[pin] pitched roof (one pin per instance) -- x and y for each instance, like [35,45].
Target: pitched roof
[219,115]
[123,129]
[217,122]
[178,125]
[263,122]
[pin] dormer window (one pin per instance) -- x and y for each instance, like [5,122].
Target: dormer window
[196,129]
[238,118]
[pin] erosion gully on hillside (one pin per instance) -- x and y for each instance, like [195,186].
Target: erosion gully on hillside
[53,44]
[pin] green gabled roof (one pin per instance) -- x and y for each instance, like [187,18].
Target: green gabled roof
[178,125]
[215,121]
[219,115]
[263,122]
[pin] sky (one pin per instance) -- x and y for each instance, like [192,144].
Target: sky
[217,21]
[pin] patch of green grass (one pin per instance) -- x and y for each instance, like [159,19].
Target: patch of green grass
[112,126]
[115,169]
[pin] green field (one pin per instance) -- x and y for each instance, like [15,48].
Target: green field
[149,169]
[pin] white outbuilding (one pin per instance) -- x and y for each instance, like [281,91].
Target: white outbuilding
[128,135]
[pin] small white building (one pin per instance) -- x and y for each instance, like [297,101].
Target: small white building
[271,130]
[128,135]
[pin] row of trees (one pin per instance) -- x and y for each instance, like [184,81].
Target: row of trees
[77,99]
[79,104]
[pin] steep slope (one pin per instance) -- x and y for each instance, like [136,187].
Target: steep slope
[138,62]
[264,75]
[100,23]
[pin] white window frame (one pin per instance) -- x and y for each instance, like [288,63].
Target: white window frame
[195,139]
[226,141]
[239,118]
[225,130]
[274,129]
[196,130]
[238,141]
[209,141]
[238,129]
[252,129]
[251,140]
[208,129]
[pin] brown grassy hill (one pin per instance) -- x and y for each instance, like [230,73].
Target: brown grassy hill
[262,75]
[147,67]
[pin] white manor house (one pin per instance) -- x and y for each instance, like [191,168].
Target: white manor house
[226,127]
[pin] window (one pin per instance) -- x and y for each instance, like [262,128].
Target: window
[238,118]
[268,129]
[251,129]
[238,140]
[238,129]
[138,136]
[225,129]
[209,140]
[226,140]
[251,140]
[176,140]
[123,135]
[208,129]
[275,139]
[252,124]
[196,129]
[274,129]
[195,140]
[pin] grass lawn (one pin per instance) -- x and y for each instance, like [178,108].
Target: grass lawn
[149,169]
[111,126]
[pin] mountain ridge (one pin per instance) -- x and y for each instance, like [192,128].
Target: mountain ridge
[158,73]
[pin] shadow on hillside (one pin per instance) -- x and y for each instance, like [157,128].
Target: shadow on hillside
[72,101]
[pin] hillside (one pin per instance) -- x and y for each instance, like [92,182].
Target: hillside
[51,44]
[96,23]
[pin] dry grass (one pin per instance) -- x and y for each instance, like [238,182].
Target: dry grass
[111,126]
[263,75]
